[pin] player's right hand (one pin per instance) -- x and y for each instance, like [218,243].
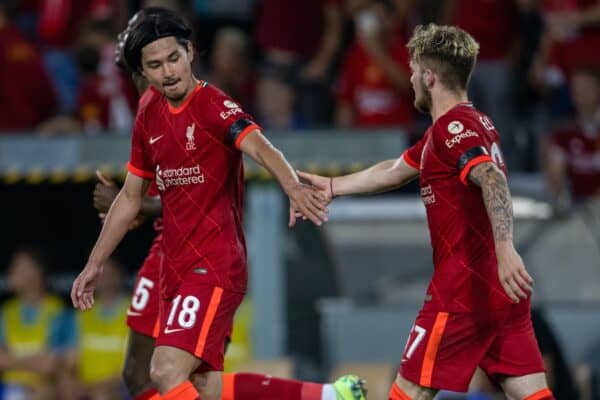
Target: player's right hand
[321,183]
[105,192]
[82,292]
[308,202]
[515,280]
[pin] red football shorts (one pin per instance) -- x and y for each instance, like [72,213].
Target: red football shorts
[142,315]
[199,320]
[444,349]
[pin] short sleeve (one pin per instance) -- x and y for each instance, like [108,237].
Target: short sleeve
[226,118]
[460,144]
[412,156]
[140,163]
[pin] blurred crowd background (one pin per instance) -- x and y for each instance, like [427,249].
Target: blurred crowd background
[336,66]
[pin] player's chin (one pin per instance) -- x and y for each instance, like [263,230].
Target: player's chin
[174,93]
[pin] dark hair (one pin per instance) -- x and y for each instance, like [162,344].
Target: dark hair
[156,23]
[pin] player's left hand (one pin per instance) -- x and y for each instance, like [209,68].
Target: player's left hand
[82,292]
[515,280]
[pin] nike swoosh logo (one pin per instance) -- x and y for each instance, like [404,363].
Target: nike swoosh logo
[155,139]
[167,330]
[133,313]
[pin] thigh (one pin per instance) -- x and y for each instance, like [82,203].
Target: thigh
[198,320]
[514,351]
[444,349]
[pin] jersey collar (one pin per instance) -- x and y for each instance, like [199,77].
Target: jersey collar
[183,106]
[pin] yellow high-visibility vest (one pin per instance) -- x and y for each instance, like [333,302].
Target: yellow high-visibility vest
[239,351]
[26,338]
[102,342]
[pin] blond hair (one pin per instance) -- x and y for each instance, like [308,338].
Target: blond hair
[448,50]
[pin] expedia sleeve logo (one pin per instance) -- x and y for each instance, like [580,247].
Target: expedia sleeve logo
[233,109]
[178,177]
[450,143]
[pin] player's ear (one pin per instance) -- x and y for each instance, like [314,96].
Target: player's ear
[190,50]
[429,78]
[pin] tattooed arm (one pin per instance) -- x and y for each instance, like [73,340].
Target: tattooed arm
[496,197]
[494,189]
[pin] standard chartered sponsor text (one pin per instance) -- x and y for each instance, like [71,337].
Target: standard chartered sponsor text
[181,176]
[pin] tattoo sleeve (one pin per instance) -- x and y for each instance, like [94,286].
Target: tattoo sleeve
[496,197]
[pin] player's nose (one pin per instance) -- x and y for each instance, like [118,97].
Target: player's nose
[168,71]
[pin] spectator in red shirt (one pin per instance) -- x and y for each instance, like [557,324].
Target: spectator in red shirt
[571,32]
[572,29]
[374,87]
[27,97]
[59,25]
[106,100]
[573,156]
[298,41]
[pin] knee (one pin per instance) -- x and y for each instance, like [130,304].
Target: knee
[165,375]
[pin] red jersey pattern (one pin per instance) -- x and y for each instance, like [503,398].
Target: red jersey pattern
[191,151]
[366,87]
[580,150]
[465,274]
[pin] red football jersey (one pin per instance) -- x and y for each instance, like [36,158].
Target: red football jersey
[581,152]
[192,152]
[465,274]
